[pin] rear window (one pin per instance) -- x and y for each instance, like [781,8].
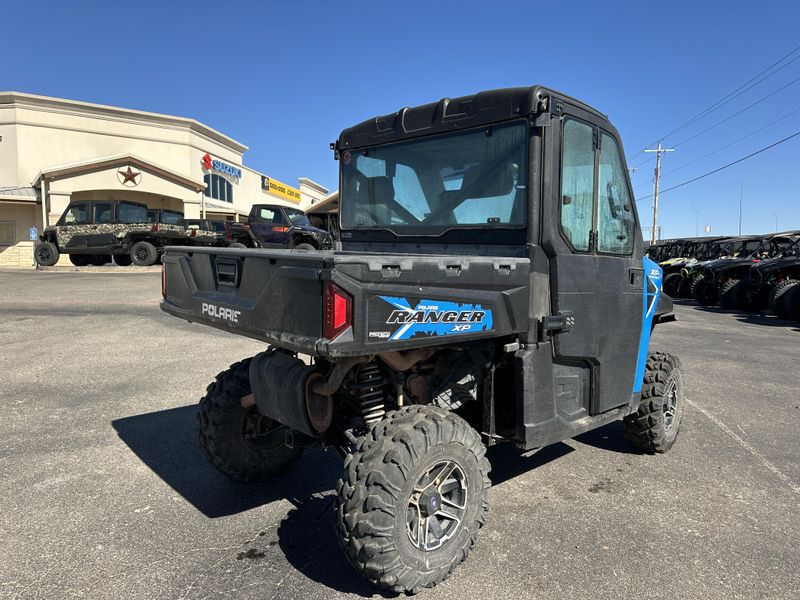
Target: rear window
[169,217]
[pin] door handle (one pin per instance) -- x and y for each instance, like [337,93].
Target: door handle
[636,277]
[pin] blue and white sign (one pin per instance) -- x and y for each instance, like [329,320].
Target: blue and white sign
[33,234]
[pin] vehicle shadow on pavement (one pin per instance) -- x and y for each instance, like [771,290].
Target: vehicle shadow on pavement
[165,442]
[608,437]
[755,318]
[508,462]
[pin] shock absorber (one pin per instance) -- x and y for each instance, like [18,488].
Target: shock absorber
[370,391]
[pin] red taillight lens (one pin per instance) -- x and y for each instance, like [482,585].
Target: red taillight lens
[338,311]
[280,229]
[154,228]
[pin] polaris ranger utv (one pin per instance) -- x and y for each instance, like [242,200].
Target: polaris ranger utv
[490,288]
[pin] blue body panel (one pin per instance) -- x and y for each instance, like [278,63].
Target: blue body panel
[650,297]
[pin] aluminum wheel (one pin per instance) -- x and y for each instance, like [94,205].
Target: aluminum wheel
[670,404]
[436,506]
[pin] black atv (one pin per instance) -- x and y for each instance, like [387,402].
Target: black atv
[487,291]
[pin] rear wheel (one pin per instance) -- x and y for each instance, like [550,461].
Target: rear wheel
[79,260]
[46,254]
[412,498]
[144,254]
[123,260]
[776,297]
[236,245]
[240,442]
[654,426]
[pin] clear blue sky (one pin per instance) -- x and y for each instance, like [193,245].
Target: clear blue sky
[286,77]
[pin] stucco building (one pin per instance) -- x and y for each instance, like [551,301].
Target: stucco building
[54,150]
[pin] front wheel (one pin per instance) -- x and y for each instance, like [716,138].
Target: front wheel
[240,442]
[730,293]
[304,246]
[412,498]
[777,297]
[46,254]
[654,426]
[706,292]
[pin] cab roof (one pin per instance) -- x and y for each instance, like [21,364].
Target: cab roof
[449,114]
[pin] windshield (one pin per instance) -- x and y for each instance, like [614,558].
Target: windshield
[297,217]
[426,186]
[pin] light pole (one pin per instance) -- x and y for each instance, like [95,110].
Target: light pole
[741,193]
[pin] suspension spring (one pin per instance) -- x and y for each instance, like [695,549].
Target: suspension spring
[370,391]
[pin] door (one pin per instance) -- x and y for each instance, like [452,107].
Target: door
[102,229]
[74,227]
[270,227]
[598,273]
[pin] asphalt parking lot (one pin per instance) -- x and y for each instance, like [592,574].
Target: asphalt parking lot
[106,495]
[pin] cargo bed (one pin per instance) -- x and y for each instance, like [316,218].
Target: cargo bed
[396,301]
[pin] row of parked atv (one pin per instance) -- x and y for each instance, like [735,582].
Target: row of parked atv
[751,273]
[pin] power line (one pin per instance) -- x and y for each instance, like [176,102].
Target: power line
[725,99]
[736,114]
[728,145]
[723,167]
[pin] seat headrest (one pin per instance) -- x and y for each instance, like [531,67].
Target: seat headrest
[380,188]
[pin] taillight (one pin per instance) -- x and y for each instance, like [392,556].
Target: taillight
[338,311]
[154,228]
[163,282]
[280,229]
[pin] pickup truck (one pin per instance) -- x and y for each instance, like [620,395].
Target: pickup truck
[490,288]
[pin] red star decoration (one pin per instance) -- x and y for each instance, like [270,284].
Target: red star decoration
[129,175]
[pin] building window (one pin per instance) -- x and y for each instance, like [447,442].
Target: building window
[7,234]
[218,187]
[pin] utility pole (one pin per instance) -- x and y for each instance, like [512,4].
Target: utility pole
[741,193]
[658,150]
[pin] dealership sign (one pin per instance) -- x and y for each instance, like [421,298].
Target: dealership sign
[213,164]
[276,188]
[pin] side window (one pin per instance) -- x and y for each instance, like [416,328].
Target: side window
[577,183]
[77,214]
[134,213]
[615,220]
[270,215]
[103,212]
